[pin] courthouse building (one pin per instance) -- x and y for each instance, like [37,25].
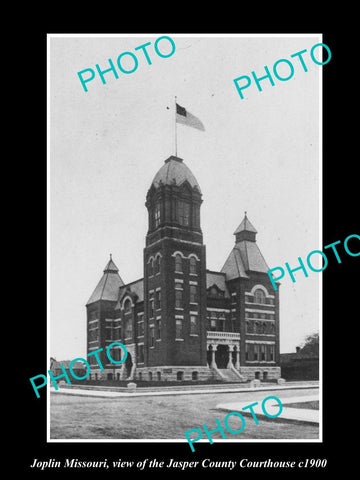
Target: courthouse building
[182,321]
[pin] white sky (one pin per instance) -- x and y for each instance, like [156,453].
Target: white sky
[260,154]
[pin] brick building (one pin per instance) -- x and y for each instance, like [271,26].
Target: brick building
[182,321]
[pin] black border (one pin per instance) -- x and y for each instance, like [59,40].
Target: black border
[341,218]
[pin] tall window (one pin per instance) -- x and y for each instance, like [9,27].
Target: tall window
[158,299]
[151,267]
[152,335]
[151,306]
[271,353]
[247,351]
[157,264]
[193,294]
[178,298]
[256,351]
[259,296]
[178,328]
[196,216]
[193,265]
[194,327]
[184,213]
[158,328]
[262,352]
[141,353]
[128,327]
[178,263]
[127,306]
[157,213]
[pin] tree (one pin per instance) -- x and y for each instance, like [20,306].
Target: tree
[311,344]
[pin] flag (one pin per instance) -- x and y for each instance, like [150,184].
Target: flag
[186,118]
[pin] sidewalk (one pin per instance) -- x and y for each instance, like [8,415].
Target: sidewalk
[296,414]
[177,390]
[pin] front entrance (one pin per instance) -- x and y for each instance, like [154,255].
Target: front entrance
[222,356]
[128,365]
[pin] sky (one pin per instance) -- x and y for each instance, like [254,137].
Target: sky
[259,154]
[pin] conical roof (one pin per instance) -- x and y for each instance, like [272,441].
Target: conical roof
[245,225]
[109,284]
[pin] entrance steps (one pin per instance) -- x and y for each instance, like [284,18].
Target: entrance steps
[229,376]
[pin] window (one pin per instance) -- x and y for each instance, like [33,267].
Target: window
[93,335]
[128,327]
[158,299]
[158,329]
[140,329]
[127,306]
[193,294]
[178,263]
[152,335]
[157,213]
[157,264]
[151,307]
[151,267]
[158,374]
[141,353]
[194,327]
[193,265]
[108,333]
[195,376]
[259,296]
[150,376]
[262,352]
[179,375]
[247,351]
[116,354]
[178,299]
[256,351]
[196,216]
[184,213]
[271,353]
[178,329]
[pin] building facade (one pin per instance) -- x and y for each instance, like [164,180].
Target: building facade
[182,321]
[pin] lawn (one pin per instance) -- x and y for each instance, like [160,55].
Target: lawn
[164,417]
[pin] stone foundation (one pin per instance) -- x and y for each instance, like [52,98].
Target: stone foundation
[174,373]
[261,373]
[182,373]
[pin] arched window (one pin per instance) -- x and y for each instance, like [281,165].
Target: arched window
[179,375]
[195,375]
[178,263]
[127,306]
[193,268]
[259,296]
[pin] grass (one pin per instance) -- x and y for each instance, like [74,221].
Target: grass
[164,417]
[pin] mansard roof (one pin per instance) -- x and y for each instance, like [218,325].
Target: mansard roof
[108,286]
[175,172]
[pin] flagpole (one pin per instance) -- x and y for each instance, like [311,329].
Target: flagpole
[175,130]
